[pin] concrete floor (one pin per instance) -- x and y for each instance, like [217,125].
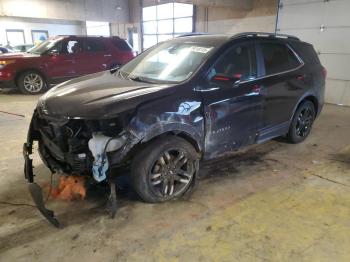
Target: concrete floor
[273,202]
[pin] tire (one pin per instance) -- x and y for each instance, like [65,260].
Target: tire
[165,169]
[302,122]
[31,83]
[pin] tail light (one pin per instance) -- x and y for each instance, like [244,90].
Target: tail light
[324,72]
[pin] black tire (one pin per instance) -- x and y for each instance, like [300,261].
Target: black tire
[31,83]
[302,122]
[176,179]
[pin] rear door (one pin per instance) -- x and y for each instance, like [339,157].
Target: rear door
[94,56]
[283,81]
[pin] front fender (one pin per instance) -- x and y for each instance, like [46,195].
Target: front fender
[175,128]
[175,115]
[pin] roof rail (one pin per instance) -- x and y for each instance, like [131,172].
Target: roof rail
[192,34]
[263,34]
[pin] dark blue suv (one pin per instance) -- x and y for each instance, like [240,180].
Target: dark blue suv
[181,101]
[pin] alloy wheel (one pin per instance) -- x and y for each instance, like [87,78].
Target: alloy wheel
[33,83]
[304,122]
[172,173]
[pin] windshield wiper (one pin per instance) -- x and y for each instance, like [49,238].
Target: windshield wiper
[141,79]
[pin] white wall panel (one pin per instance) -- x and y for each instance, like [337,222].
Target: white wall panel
[338,13]
[305,19]
[335,91]
[338,65]
[53,27]
[301,16]
[335,40]
[82,10]
[296,2]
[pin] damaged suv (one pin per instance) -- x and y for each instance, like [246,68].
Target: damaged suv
[181,101]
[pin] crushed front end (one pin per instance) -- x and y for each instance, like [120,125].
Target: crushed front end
[75,147]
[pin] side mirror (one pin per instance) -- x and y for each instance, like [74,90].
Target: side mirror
[114,68]
[222,78]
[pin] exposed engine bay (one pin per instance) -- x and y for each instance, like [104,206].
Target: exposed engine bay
[76,147]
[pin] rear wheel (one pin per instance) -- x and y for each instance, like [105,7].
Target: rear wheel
[302,122]
[31,83]
[166,169]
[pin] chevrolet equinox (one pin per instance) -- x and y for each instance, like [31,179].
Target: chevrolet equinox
[179,102]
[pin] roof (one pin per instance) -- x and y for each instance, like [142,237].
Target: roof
[215,39]
[204,38]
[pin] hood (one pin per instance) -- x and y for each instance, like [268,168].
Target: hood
[98,96]
[18,55]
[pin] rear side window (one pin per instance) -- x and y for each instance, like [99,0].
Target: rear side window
[93,45]
[121,45]
[278,58]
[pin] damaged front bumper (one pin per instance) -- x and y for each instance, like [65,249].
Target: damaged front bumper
[116,154]
[34,189]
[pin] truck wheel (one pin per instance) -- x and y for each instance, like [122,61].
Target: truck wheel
[31,83]
[302,122]
[165,169]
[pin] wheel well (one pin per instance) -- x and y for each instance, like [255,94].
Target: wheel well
[313,100]
[26,70]
[189,139]
[184,135]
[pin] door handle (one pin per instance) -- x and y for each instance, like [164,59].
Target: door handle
[301,77]
[107,55]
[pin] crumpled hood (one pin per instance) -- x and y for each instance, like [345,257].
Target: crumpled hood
[97,96]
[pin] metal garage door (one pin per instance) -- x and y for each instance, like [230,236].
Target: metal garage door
[325,24]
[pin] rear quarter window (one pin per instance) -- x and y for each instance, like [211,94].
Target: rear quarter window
[278,58]
[121,45]
[306,52]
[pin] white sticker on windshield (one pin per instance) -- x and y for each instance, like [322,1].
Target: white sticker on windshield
[200,49]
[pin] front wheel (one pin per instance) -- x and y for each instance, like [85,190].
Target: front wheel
[165,169]
[302,122]
[31,83]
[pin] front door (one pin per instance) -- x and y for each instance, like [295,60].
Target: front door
[63,64]
[232,100]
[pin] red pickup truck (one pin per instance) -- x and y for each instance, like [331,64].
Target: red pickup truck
[61,58]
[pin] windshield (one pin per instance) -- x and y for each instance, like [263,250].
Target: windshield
[44,46]
[169,62]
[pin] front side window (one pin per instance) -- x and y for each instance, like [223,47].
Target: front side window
[239,62]
[278,58]
[169,62]
[72,47]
